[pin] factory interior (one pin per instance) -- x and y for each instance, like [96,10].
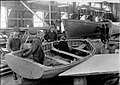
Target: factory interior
[60,42]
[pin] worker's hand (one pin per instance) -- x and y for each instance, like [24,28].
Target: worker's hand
[48,40]
[27,46]
[12,52]
[24,54]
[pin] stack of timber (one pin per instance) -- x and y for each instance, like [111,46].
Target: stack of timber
[4,69]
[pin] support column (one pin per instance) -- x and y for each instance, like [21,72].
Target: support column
[101,5]
[50,12]
[116,8]
[74,10]
[80,81]
[60,19]
[111,6]
[89,3]
[17,4]
[21,16]
[67,9]
[6,20]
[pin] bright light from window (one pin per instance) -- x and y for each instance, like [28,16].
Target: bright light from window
[95,5]
[106,7]
[82,3]
[3,17]
[37,21]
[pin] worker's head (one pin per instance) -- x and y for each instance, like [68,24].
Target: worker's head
[106,25]
[16,29]
[52,28]
[15,34]
[103,25]
[33,31]
[62,38]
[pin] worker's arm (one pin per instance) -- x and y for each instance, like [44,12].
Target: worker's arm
[28,52]
[32,49]
[8,43]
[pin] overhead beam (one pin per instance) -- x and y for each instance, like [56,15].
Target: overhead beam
[65,1]
[34,13]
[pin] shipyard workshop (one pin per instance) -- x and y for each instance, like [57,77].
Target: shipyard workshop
[60,42]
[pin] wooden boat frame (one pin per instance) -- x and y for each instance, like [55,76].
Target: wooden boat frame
[72,42]
[50,71]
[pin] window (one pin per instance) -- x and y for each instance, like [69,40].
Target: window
[64,15]
[95,5]
[37,21]
[3,19]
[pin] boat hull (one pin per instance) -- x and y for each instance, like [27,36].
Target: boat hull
[33,70]
[78,28]
[56,71]
[115,28]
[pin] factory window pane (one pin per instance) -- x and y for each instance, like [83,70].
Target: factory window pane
[37,21]
[95,5]
[82,3]
[106,7]
[64,15]
[3,19]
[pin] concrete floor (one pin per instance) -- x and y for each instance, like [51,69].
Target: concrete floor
[63,80]
[7,80]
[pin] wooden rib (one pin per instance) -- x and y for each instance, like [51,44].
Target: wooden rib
[66,53]
[58,60]
[4,49]
[82,50]
[81,46]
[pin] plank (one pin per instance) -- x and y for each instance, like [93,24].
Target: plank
[98,64]
[4,69]
[81,46]
[58,60]
[66,53]
[6,73]
[82,50]
[4,49]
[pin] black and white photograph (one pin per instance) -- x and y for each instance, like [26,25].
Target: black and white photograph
[59,42]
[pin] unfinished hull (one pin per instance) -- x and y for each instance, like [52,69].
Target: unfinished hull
[32,70]
[78,28]
[115,28]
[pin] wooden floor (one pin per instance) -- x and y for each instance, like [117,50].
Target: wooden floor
[9,80]
[60,80]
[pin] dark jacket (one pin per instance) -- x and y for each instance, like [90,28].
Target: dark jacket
[107,30]
[36,51]
[15,44]
[63,46]
[50,36]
